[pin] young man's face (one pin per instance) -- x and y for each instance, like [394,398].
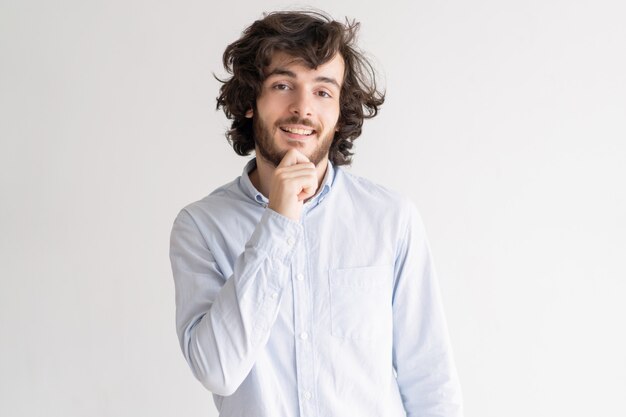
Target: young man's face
[298,107]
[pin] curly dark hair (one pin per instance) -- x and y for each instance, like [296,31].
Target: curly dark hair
[314,38]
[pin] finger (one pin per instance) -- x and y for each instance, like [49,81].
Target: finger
[300,182]
[296,170]
[293,157]
[308,187]
[306,193]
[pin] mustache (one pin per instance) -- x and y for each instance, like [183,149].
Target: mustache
[295,120]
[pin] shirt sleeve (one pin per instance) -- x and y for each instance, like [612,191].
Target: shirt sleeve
[422,354]
[222,322]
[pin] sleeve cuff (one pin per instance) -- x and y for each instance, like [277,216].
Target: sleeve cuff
[276,235]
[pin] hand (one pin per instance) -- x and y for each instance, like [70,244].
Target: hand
[294,180]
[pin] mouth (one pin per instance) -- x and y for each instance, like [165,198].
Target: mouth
[299,132]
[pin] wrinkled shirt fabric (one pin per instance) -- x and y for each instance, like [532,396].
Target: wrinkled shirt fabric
[338,314]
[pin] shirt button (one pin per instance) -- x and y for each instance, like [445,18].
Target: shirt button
[307,395]
[274,295]
[300,277]
[291,241]
[304,335]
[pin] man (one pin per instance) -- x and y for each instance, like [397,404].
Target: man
[302,290]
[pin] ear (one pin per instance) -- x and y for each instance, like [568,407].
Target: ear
[249,114]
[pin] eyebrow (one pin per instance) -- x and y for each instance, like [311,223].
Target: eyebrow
[291,74]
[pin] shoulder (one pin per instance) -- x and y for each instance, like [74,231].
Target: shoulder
[220,203]
[368,192]
[377,204]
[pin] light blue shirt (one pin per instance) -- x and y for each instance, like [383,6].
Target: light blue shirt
[336,315]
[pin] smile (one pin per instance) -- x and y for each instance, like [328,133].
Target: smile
[298,131]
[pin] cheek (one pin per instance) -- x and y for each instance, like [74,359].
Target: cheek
[272,109]
[331,117]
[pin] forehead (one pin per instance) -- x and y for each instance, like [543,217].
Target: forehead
[333,68]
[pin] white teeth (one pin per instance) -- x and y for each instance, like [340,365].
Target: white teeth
[297,131]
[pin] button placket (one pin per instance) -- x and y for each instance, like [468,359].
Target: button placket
[302,331]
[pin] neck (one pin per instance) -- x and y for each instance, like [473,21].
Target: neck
[262,176]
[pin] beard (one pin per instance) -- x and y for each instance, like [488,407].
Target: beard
[267,149]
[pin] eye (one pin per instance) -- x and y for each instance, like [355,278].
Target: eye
[280,86]
[323,93]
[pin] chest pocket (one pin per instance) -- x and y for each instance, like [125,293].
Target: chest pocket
[360,301]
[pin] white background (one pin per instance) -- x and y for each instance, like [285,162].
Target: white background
[504,122]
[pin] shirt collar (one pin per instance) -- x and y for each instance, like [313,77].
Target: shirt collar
[252,192]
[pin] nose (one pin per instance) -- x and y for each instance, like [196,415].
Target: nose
[302,104]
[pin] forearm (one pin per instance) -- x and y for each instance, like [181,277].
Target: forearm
[422,353]
[222,323]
